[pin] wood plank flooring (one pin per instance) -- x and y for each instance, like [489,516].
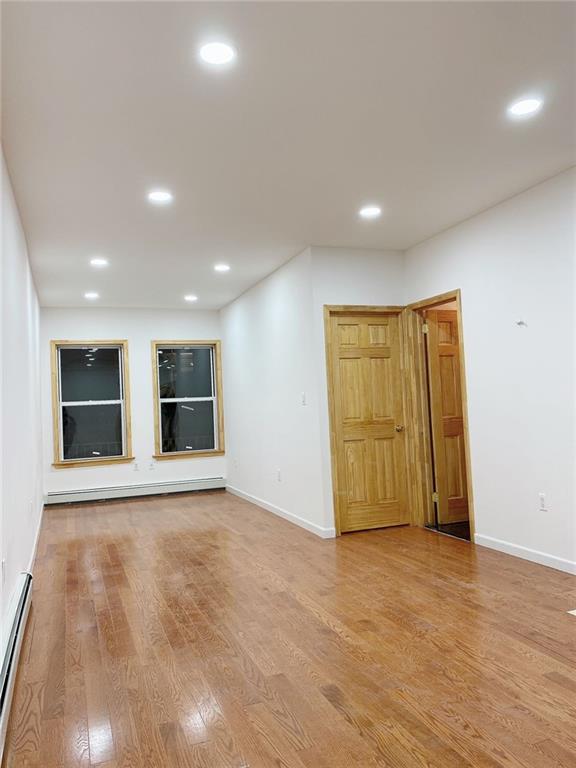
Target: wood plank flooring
[198,631]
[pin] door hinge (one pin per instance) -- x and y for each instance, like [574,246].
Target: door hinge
[435,497]
[425,328]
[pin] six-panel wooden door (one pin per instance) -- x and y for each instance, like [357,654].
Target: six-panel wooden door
[447,416]
[368,431]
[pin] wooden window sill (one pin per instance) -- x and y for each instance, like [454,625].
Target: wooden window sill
[92,462]
[187,455]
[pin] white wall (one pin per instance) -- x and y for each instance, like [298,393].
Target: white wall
[273,353]
[139,327]
[20,444]
[516,261]
[268,364]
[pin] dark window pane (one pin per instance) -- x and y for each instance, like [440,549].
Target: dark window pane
[185,372]
[89,374]
[92,431]
[187,426]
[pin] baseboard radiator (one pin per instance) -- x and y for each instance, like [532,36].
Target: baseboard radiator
[11,649]
[142,489]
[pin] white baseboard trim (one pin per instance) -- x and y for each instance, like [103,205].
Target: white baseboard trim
[30,568]
[324,533]
[569,566]
[143,489]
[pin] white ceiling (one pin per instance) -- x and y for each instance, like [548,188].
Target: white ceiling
[331,105]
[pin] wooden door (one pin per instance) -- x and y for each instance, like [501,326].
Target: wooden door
[367,422]
[447,415]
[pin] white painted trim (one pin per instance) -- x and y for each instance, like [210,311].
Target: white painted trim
[72,403]
[144,489]
[543,558]
[324,533]
[36,538]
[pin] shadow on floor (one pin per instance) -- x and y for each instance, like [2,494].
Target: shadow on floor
[459,530]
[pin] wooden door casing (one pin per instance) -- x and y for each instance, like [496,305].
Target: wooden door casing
[446,413]
[420,484]
[367,429]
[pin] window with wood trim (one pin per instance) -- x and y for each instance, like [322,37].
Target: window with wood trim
[91,408]
[187,399]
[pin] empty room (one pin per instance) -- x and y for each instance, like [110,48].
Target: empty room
[288,391]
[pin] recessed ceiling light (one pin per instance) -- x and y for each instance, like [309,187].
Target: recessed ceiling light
[525,107]
[370,212]
[217,53]
[160,196]
[91,295]
[99,262]
[222,267]
[190,297]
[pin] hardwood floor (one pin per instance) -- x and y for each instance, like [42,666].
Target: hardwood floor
[200,631]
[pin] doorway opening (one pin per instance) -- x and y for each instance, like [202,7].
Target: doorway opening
[398,416]
[443,355]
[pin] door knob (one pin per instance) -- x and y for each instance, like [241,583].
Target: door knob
[399,427]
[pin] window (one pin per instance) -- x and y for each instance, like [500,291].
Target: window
[90,402]
[188,399]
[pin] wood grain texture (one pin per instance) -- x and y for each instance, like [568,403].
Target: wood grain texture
[198,630]
[366,418]
[415,392]
[447,416]
[418,444]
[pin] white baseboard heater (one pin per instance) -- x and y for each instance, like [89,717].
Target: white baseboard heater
[143,489]
[17,615]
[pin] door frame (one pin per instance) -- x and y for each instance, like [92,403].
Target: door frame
[330,311]
[415,396]
[431,303]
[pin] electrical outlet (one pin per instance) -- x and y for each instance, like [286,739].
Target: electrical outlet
[303,398]
[152,465]
[542,498]
[3,571]
[278,476]
[136,467]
